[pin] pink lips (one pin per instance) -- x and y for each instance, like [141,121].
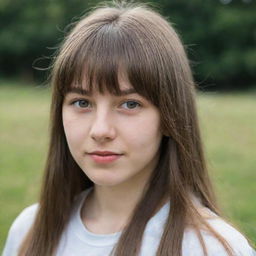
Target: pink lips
[104,159]
[104,156]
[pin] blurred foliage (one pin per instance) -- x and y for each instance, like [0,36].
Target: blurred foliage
[220,37]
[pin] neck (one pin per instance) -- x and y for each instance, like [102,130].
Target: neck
[116,201]
[114,204]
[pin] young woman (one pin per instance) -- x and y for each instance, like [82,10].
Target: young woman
[125,173]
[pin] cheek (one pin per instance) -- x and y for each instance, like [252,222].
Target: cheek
[144,134]
[73,130]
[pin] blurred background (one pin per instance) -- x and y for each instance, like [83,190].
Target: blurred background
[220,39]
[220,36]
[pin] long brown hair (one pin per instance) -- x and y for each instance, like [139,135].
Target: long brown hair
[138,41]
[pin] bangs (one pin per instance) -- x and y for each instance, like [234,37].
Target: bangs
[100,58]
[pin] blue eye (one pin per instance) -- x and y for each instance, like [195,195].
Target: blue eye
[131,104]
[82,103]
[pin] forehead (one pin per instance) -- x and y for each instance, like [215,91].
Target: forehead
[83,91]
[87,87]
[114,78]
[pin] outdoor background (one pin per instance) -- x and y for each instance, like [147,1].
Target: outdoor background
[220,39]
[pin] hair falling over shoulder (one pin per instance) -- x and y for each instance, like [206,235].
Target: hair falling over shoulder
[134,39]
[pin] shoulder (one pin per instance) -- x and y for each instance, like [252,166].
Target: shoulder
[24,220]
[233,237]
[19,229]
[236,240]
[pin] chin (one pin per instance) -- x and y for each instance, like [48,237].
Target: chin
[106,179]
[106,183]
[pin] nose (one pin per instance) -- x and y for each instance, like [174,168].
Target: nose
[102,128]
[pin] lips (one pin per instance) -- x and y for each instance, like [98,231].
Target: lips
[104,156]
[103,153]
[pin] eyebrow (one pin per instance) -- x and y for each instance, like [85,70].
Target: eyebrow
[86,92]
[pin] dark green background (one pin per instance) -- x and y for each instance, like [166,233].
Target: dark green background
[220,37]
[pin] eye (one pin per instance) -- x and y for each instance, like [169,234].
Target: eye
[81,103]
[131,104]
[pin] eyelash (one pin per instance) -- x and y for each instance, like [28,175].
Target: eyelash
[138,104]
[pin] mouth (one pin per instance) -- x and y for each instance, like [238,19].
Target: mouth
[104,153]
[107,158]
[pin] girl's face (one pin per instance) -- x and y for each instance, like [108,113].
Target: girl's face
[114,139]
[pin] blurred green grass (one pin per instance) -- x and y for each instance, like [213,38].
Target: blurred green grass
[228,123]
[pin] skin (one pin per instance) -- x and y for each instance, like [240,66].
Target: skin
[128,125]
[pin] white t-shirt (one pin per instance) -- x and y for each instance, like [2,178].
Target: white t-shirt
[77,240]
